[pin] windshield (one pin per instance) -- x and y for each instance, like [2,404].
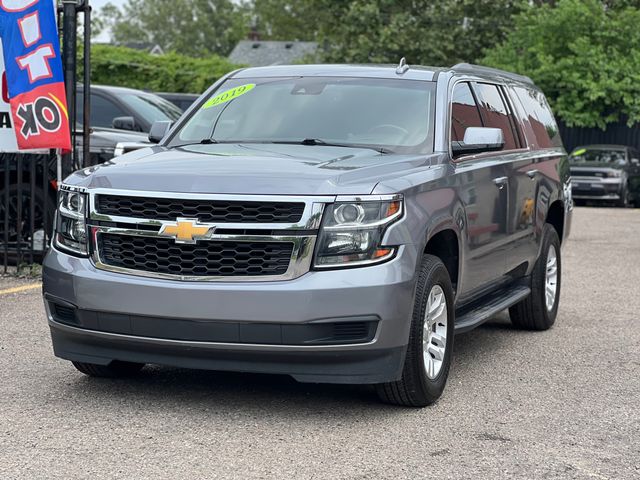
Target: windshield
[151,107]
[582,155]
[394,115]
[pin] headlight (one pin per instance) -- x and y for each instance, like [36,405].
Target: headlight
[71,226]
[614,173]
[351,232]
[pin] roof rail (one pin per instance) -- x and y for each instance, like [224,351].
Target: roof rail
[470,68]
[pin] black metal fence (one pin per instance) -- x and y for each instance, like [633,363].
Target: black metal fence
[27,206]
[615,133]
[28,182]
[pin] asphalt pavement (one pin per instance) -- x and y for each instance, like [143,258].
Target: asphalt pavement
[558,404]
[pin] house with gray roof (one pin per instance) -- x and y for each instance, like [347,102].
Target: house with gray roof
[256,53]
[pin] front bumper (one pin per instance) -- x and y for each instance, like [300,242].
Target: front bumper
[252,327]
[602,189]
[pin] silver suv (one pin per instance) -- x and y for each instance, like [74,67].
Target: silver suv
[333,223]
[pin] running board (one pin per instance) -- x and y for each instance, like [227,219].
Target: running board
[471,317]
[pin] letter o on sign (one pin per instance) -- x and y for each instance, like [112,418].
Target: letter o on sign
[47,114]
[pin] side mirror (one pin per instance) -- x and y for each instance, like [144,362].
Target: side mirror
[124,123]
[479,140]
[158,130]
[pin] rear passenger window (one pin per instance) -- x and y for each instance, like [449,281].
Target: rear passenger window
[495,113]
[464,112]
[540,117]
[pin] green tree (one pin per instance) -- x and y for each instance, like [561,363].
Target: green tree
[283,19]
[426,32]
[584,56]
[190,27]
[173,72]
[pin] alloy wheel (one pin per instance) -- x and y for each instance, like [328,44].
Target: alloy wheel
[434,338]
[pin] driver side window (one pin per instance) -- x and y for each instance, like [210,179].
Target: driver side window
[464,111]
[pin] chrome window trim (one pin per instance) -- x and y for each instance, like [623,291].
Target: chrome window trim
[300,263]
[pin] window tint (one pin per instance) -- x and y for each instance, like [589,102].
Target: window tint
[151,107]
[545,128]
[464,112]
[495,113]
[103,111]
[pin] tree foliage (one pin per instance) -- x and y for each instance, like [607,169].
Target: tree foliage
[191,27]
[424,31]
[120,66]
[283,19]
[584,56]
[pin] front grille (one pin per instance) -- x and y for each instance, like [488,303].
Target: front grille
[589,173]
[204,210]
[206,259]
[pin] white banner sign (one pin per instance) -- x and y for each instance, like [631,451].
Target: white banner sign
[7,136]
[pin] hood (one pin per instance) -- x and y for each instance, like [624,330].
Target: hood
[109,138]
[250,169]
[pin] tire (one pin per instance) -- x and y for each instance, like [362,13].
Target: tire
[115,369]
[625,198]
[534,313]
[416,387]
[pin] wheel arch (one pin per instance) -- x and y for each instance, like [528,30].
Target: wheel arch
[555,217]
[444,243]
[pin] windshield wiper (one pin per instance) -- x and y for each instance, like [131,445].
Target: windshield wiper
[320,142]
[204,141]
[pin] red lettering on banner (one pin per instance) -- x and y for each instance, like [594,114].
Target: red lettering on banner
[5,89]
[16,5]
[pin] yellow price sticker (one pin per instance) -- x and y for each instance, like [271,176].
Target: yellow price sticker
[228,95]
[579,152]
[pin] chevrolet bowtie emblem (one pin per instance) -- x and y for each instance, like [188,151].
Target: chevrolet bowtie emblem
[186,230]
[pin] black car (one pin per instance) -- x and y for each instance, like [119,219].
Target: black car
[126,109]
[606,173]
[180,100]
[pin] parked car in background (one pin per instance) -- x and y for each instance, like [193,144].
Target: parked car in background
[180,100]
[606,173]
[126,108]
[120,121]
[292,225]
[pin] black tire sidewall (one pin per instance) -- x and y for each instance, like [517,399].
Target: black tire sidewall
[433,272]
[550,237]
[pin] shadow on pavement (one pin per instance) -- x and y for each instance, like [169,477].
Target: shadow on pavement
[232,392]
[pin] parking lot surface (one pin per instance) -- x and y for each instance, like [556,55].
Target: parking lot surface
[558,404]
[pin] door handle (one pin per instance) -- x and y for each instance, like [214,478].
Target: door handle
[501,182]
[532,174]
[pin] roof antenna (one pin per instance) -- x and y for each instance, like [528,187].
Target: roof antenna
[402,66]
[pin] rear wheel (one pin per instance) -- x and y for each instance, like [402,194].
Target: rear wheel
[429,351]
[539,310]
[114,370]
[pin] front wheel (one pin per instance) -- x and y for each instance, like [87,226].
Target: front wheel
[430,347]
[625,198]
[539,310]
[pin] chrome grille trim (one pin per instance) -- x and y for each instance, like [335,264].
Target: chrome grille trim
[311,217]
[303,242]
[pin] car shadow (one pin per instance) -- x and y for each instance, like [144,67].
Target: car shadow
[231,392]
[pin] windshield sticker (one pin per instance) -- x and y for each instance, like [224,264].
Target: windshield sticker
[228,95]
[579,152]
